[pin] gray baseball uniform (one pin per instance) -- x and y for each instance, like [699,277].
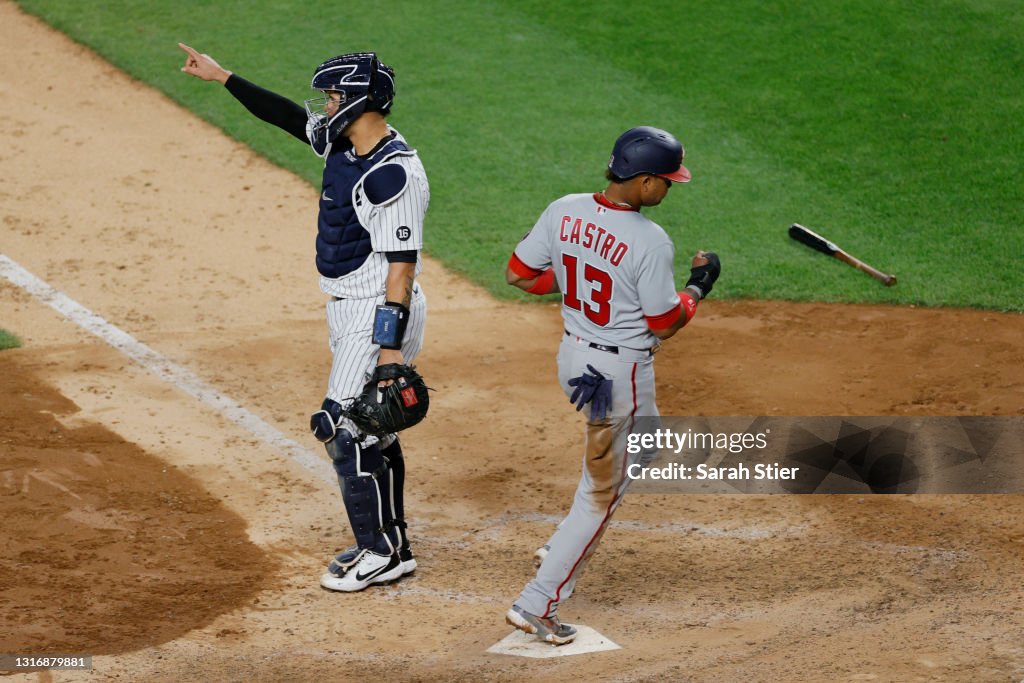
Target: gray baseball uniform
[614,268]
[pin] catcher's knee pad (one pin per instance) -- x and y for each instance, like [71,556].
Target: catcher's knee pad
[324,422]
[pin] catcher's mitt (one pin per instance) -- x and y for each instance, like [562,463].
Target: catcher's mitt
[385,410]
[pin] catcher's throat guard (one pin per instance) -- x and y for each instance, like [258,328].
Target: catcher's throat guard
[382,410]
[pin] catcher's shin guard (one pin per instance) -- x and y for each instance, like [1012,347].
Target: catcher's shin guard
[363,477]
[393,454]
[396,464]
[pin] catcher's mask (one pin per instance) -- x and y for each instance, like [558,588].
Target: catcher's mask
[648,150]
[365,84]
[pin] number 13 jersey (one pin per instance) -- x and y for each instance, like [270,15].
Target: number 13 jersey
[613,266]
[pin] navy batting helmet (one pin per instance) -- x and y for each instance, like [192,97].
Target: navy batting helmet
[648,150]
[365,84]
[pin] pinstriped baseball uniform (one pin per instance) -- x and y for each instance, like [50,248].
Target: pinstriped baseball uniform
[394,224]
[614,268]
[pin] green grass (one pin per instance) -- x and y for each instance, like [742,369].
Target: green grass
[892,128]
[8,340]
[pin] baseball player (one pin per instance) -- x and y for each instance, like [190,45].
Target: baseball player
[614,268]
[369,233]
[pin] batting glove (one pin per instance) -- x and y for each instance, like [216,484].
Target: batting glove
[592,387]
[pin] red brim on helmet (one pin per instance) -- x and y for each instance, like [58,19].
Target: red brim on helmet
[680,176]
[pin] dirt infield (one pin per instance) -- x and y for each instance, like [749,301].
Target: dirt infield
[145,528]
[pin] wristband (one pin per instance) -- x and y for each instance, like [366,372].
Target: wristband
[689,304]
[389,323]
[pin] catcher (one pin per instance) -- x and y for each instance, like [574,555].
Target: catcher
[369,234]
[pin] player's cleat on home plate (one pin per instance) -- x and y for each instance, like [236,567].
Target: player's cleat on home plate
[539,554]
[548,629]
[370,568]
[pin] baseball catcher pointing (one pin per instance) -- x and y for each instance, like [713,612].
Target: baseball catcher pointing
[619,300]
[369,234]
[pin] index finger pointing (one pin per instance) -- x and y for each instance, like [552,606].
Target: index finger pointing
[187,49]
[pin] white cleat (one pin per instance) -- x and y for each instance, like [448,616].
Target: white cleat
[347,558]
[369,569]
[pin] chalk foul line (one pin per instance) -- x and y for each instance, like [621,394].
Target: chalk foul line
[167,370]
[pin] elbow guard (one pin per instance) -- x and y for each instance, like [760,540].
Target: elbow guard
[389,323]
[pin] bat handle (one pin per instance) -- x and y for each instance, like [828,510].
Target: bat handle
[884,278]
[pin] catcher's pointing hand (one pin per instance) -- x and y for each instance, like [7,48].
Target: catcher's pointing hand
[203,66]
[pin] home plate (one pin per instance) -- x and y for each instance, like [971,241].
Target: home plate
[527,645]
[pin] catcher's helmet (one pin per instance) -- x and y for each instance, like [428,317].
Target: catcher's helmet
[648,150]
[365,84]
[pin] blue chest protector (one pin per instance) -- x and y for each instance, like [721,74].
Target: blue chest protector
[342,243]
